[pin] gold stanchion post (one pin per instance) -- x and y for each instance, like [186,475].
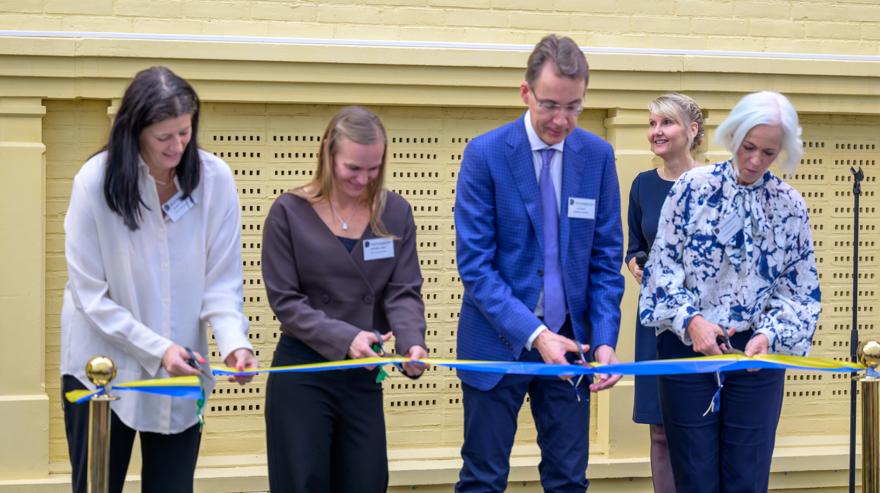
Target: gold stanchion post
[101,371]
[869,355]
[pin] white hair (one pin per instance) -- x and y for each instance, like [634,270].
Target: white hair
[763,108]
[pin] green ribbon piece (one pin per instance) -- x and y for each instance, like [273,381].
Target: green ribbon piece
[200,404]
[381,376]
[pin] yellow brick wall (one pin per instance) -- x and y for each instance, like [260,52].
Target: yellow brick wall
[73,131]
[271,148]
[801,26]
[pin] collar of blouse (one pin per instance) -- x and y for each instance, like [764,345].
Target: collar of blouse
[744,205]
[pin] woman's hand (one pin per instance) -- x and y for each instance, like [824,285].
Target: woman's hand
[705,335]
[174,362]
[241,359]
[360,346]
[757,345]
[635,270]
[415,353]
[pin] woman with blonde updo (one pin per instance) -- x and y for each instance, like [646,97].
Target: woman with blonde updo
[675,131]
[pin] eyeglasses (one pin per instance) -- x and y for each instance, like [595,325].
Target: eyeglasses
[552,108]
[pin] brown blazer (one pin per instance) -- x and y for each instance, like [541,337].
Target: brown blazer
[324,296]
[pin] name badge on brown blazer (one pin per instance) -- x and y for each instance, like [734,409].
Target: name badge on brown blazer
[378,248]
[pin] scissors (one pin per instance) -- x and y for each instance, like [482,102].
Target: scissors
[730,348]
[583,359]
[192,359]
[379,348]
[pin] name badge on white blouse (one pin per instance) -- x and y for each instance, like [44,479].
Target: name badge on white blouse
[729,226]
[378,248]
[581,208]
[176,207]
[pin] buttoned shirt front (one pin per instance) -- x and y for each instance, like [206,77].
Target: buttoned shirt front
[537,145]
[131,294]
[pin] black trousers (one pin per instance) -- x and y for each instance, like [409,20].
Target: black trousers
[169,461]
[325,431]
[728,450]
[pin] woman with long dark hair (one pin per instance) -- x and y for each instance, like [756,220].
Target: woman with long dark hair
[152,248]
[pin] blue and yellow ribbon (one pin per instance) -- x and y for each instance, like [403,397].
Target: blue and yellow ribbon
[705,364]
[186,387]
[190,387]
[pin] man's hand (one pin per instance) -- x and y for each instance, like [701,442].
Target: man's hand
[415,353]
[635,270]
[240,359]
[705,334]
[360,346]
[553,348]
[756,346]
[174,362]
[605,354]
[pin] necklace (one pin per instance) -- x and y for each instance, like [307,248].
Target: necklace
[164,183]
[663,169]
[345,223]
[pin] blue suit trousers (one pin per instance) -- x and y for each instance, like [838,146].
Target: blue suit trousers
[490,422]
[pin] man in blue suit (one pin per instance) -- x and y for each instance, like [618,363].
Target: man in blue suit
[539,248]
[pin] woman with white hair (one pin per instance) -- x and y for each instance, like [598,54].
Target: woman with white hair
[733,257]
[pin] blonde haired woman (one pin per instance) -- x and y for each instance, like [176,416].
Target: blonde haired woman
[675,130]
[339,262]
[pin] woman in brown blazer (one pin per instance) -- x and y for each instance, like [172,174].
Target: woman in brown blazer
[339,261]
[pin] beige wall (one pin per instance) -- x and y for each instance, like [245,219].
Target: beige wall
[801,26]
[56,95]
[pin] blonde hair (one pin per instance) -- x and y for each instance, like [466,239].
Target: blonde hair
[682,110]
[360,126]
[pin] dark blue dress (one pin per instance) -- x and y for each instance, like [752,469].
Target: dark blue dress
[646,199]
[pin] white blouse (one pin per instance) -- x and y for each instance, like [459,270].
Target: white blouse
[130,294]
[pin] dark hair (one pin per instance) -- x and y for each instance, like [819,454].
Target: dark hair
[565,55]
[155,95]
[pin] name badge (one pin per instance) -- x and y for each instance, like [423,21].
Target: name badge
[378,248]
[581,208]
[177,207]
[729,226]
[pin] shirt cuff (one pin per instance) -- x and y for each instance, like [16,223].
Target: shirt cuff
[534,336]
[682,320]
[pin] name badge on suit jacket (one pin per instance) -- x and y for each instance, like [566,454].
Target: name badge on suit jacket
[581,208]
[378,248]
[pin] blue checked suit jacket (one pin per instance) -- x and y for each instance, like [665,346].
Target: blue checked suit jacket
[500,244]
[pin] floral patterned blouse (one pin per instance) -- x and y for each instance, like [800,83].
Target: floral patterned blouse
[740,256]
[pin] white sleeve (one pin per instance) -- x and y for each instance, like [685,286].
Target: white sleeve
[534,336]
[222,302]
[89,288]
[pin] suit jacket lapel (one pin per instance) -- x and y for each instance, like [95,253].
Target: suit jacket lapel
[572,169]
[522,166]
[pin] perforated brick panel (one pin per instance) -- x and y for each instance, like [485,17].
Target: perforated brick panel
[272,148]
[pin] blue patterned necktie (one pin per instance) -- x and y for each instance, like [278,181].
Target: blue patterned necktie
[554,292]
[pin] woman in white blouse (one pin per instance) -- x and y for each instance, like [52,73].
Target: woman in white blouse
[152,239]
[733,257]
